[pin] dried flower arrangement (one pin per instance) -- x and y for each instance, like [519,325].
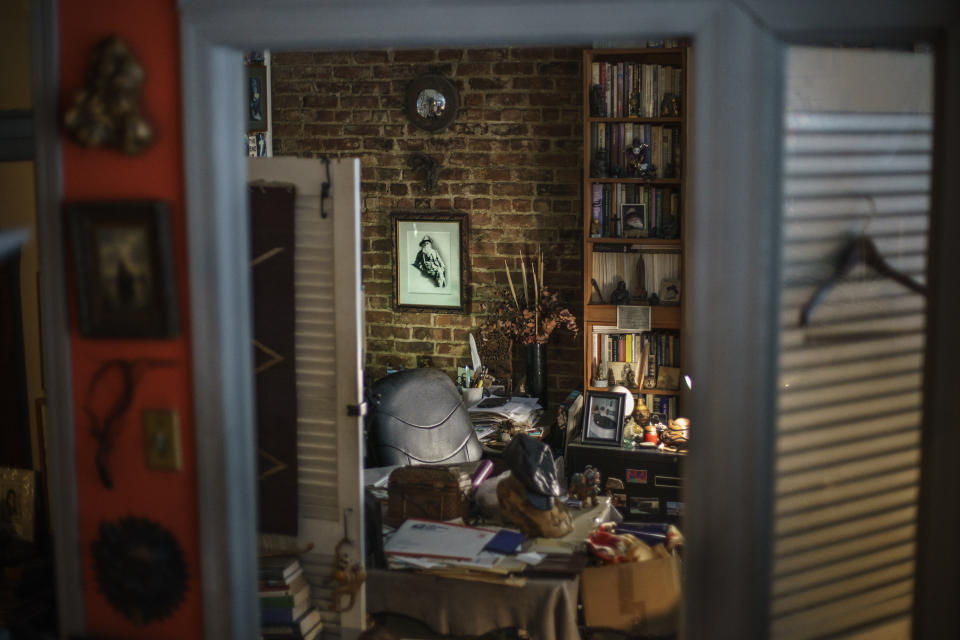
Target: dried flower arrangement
[533,321]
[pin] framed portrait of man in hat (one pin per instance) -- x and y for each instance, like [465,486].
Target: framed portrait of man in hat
[429,260]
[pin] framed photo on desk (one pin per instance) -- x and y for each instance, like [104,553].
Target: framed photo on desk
[603,416]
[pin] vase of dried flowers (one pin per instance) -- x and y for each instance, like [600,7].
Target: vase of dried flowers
[530,318]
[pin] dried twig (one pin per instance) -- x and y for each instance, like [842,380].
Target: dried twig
[523,272]
[510,280]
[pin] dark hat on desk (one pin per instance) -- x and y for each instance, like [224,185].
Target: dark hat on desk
[531,462]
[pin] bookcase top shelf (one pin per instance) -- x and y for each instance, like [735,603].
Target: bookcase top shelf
[652,54]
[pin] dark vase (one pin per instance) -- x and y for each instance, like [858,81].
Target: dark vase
[537,372]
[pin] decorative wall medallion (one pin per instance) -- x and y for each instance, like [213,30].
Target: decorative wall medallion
[432,102]
[106,109]
[140,569]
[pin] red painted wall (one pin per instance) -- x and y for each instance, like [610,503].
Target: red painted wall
[150,29]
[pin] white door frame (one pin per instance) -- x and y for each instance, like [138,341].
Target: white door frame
[733,238]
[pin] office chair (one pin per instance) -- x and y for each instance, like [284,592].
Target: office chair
[417,417]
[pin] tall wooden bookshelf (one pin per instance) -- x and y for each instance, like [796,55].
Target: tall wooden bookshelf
[635,108]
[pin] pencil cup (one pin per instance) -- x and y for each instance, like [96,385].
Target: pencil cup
[471,396]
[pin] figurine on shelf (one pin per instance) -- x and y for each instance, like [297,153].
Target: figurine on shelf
[620,295]
[629,379]
[586,486]
[670,105]
[599,166]
[640,165]
[611,377]
[598,106]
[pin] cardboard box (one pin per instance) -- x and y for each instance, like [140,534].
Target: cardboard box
[639,597]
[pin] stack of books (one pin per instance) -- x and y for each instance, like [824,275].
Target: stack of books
[285,607]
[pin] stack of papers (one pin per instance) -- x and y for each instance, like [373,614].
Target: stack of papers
[451,549]
[524,412]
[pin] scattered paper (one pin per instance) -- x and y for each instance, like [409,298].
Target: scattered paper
[531,557]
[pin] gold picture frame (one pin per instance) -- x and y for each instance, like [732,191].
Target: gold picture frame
[17,502]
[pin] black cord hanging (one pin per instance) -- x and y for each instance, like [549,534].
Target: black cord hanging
[325,188]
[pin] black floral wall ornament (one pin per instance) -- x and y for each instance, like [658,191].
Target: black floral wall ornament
[139,568]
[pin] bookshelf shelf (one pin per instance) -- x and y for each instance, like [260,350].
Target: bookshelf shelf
[660,120]
[652,242]
[635,391]
[661,317]
[653,181]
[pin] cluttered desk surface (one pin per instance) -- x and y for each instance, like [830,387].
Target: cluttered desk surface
[465,580]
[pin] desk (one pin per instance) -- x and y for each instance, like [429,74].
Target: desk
[545,607]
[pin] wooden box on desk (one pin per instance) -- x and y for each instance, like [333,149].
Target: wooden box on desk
[434,492]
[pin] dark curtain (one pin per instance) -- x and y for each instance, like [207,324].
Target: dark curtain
[271,255]
[15,448]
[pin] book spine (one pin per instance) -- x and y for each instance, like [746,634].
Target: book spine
[597,200]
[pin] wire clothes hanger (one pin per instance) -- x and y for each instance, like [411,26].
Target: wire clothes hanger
[860,250]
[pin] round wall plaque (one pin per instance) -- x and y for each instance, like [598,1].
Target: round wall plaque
[432,102]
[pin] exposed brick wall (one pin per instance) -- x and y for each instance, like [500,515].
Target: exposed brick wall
[511,160]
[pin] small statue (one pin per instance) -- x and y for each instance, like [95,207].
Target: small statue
[670,105]
[629,379]
[611,378]
[641,297]
[599,166]
[620,295]
[639,160]
[598,106]
[586,486]
[348,577]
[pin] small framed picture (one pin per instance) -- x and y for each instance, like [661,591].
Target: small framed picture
[669,291]
[430,258]
[644,506]
[124,269]
[634,220]
[256,106]
[603,417]
[17,502]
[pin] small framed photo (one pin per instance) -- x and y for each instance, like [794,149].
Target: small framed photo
[430,258]
[634,218]
[256,106]
[17,502]
[669,291]
[124,269]
[603,417]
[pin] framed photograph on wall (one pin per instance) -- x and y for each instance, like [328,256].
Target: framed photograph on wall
[123,266]
[603,416]
[17,502]
[430,259]
[255,106]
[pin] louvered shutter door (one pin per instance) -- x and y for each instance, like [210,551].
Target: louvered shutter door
[323,362]
[850,384]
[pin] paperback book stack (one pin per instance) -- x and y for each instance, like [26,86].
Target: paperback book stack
[285,607]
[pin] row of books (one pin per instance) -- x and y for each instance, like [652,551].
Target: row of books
[286,610]
[664,405]
[634,211]
[633,89]
[621,146]
[664,348]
